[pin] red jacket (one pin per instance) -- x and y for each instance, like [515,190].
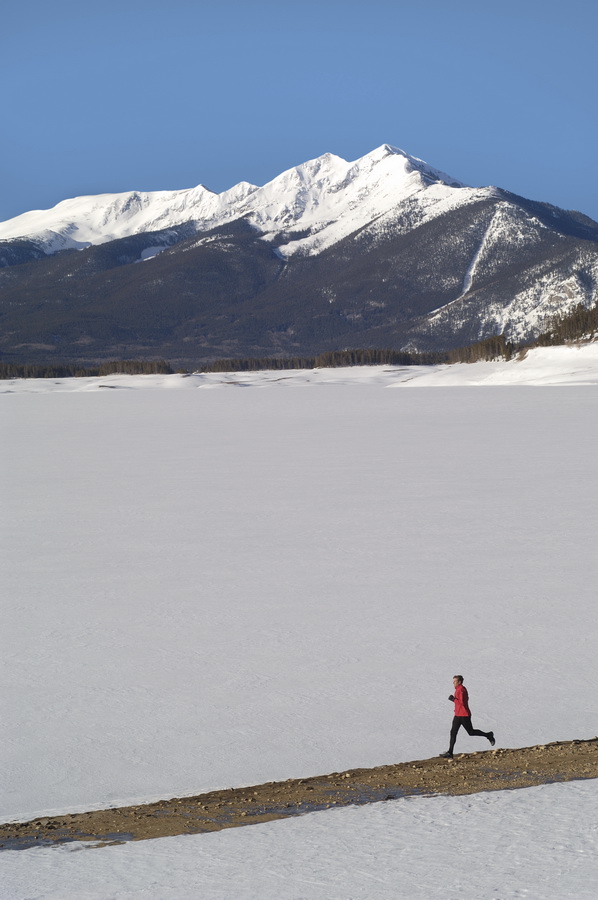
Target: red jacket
[461,701]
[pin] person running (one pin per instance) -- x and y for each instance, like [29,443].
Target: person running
[462,717]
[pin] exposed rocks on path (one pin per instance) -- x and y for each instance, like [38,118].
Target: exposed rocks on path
[467,773]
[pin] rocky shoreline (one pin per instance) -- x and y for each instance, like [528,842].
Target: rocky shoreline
[467,773]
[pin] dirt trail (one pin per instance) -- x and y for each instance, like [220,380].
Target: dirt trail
[467,773]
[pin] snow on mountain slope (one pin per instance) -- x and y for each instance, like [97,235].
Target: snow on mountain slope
[509,227]
[328,197]
[77,223]
[413,259]
[333,198]
[550,290]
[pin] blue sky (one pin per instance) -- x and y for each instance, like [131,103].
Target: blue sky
[144,95]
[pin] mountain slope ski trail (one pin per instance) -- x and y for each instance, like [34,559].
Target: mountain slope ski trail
[467,773]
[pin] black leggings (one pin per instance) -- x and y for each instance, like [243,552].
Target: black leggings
[465,721]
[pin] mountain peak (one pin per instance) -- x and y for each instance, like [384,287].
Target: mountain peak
[386,150]
[328,197]
[412,164]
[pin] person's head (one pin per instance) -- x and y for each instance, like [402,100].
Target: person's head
[457,679]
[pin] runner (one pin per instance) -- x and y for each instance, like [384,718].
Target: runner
[462,717]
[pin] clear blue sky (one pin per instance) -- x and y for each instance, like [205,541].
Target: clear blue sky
[137,94]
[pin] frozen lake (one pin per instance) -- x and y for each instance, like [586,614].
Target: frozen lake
[208,588]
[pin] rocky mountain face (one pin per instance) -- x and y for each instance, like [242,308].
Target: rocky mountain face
[382,252]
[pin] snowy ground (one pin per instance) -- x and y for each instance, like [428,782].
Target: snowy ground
[208,588]
[567,365]
[540,843]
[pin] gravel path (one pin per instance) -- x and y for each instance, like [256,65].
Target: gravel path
[467,773]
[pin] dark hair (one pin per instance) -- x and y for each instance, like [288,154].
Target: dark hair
[460,677]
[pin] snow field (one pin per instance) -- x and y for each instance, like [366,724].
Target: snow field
[538,843]
[566,365]
[208,588]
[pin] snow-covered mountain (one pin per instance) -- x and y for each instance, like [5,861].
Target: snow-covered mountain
[385,251]
[329,197]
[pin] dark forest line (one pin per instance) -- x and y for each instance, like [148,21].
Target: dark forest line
[580,323]
[330,359]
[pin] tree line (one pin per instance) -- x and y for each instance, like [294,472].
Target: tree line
[497,347]
[491,348]
[113,367]
[579,323]
[329,360]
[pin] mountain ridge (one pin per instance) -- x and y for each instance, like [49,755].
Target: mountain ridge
[382,252]
[83,221]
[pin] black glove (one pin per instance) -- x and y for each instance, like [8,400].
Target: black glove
[451,698]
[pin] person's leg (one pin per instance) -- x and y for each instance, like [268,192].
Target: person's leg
[457,722]
[475,732]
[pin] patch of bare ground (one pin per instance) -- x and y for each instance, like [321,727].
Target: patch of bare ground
[467,773]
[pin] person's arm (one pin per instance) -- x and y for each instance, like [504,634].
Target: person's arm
[463,697]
